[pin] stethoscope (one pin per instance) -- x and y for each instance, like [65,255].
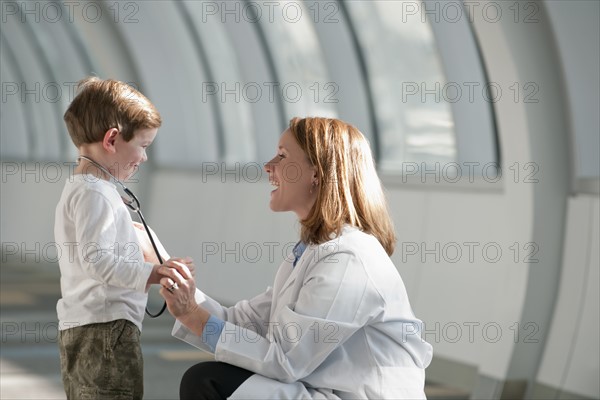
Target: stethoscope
[134,205]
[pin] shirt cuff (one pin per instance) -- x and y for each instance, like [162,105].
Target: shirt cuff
[212,332]
[142,284]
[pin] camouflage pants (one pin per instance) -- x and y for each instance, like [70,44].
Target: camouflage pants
[102,361]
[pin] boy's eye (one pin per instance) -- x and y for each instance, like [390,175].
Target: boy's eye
[280,155]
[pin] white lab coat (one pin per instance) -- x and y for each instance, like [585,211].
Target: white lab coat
[338,325]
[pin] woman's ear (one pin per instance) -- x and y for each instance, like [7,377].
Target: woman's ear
[110,137]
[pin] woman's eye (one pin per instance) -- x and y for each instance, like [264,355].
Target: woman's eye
[280,156]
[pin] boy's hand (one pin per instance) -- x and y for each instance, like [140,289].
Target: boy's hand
[186,264]
[189,262]
[146,245]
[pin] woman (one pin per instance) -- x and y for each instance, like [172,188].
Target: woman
[337,322]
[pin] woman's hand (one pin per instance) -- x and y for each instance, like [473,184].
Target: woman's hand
[146,244]
[178,291]
[178,286]
[156,276]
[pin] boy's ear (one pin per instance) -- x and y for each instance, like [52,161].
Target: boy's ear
[109,139]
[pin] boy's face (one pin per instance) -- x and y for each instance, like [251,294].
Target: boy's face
[129,155]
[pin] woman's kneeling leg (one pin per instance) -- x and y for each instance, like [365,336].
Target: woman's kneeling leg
[211,380]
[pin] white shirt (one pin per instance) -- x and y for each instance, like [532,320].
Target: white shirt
[338,325]
[103,273]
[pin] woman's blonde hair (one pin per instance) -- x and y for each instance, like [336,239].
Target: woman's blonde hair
[349,190]
[104,104]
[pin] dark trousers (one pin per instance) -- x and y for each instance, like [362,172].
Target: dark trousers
[211,380]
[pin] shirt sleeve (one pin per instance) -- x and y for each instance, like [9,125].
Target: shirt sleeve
[98,248]
[212,331]
[251,314]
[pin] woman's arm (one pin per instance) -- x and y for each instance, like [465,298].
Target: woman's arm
[335,301]
[195,319]
[252,314]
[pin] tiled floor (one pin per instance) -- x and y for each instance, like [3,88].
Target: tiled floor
[29,362]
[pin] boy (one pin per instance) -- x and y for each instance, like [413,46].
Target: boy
[104,279]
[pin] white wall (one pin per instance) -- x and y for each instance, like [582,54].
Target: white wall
[577,29]
[571,361]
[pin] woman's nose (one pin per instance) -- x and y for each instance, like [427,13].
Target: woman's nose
[269,165]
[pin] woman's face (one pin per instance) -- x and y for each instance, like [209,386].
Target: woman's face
[292,175]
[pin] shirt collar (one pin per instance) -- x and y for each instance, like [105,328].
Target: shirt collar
[298,250]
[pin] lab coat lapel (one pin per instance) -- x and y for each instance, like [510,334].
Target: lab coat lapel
[287,293]
[299,269]
[282,279]
[288,282]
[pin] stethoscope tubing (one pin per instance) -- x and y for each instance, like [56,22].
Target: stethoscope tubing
[138,210]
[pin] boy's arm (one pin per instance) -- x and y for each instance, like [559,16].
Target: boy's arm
[105,254]
[154,277]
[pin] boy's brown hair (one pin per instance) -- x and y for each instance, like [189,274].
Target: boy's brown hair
[104,104]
